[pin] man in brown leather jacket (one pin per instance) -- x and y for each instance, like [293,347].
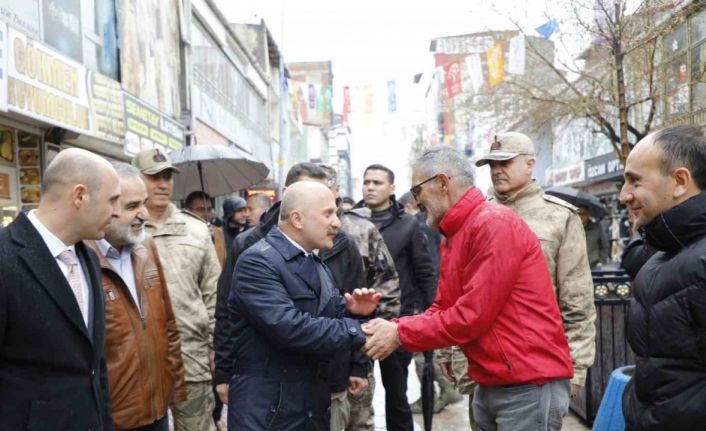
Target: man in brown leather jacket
[142,345]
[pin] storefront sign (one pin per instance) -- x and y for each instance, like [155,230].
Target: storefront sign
[107,108]
[45,85]
[145,127]
[568,175]
[603,167]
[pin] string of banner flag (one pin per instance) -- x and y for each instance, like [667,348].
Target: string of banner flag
[449,72]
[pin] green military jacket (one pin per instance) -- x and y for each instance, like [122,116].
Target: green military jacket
[561,234]
[191,268]
[377,261]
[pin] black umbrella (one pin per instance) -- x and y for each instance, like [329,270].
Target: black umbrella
[215,169]
[578,198]
[428,389]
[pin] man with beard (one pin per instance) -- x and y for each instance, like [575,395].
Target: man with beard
[141,331]
[495,301]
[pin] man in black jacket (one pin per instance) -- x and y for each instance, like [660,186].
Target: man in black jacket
[343,260]
[409,248]
[52,320]
[665,176]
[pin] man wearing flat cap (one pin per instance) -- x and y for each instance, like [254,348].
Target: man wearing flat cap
[191,269]
[558,227]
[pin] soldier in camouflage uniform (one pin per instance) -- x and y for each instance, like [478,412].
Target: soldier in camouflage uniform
[560,232]
[191,270]
[381,276]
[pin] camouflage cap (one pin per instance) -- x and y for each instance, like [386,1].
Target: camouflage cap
[507,146]
[152,162]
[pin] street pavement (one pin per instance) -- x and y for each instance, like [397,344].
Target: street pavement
[452,418]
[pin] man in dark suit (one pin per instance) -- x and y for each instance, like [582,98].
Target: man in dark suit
[288,315]
[52,372]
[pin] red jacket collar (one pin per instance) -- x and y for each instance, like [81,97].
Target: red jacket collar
[457,215]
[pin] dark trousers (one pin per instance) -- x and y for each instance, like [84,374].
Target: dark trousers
[394,371]
[160,425]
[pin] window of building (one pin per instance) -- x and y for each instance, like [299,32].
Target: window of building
[675,42]
[698,27]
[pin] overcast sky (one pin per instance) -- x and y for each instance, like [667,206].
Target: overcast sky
[373,41]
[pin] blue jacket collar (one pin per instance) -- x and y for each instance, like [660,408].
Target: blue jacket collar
[280,243]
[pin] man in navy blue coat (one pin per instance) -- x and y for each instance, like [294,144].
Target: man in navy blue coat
[288,315]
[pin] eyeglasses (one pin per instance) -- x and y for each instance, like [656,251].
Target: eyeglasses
[416,190]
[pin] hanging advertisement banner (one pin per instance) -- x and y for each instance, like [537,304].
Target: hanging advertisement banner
[494,56]
[516,64]
[391,96]
[145,127]
[475,71]
[45,85]
[452,79]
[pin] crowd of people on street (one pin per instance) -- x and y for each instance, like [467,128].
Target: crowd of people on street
[120,311]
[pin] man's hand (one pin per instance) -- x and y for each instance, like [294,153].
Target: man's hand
[447,371]
[222,390]
[356,384]
[362,302]
[382,338]
[575,389]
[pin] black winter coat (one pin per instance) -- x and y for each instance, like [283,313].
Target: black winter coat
[52,368]
[667,324]
[409,248]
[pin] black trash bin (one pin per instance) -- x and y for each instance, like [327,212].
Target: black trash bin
[613,292]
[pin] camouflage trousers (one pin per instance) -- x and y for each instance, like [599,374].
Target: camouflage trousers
[459,370]
[340,411]
[362,415]
[438,376]
[195,414]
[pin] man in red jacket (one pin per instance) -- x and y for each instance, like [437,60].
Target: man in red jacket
[494,300]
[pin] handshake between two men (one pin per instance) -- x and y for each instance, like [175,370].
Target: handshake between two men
[381,335]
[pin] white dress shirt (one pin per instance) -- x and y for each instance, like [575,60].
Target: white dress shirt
[122,264]
[296,244]
[56,247]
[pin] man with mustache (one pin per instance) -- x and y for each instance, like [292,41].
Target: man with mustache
[191,271]
[345,264]
[288,315]
[561,235]
[141,331]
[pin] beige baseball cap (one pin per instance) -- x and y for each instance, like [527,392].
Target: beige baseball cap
[152,162]
[507,146]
